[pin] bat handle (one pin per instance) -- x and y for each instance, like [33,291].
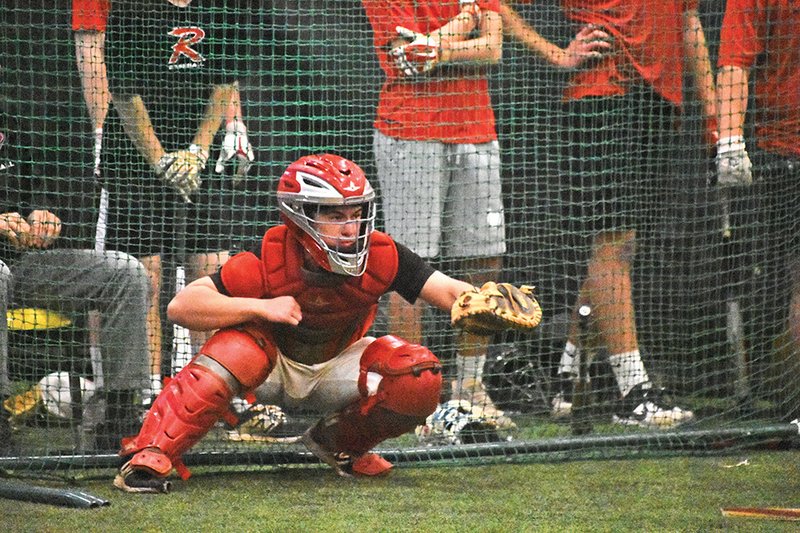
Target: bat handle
[581,421]
[725,198]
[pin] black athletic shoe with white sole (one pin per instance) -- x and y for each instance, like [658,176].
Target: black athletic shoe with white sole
[647,408]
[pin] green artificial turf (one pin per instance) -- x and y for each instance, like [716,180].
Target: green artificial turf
[663,494]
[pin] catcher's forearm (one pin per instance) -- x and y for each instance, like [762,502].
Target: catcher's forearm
[138,127]
[219,102]
[441,291]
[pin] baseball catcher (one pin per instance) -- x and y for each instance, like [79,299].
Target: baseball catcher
[292,315]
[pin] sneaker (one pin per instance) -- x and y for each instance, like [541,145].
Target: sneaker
[474,392]
[561,404]
[368,464]
[646,408]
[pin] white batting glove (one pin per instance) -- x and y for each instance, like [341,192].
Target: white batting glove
[236,145]
[98,148]
[181,170]
[734,168]
[417,57]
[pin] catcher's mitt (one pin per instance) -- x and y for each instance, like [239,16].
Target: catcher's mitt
[496,307]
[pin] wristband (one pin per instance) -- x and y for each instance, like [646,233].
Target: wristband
[730,144]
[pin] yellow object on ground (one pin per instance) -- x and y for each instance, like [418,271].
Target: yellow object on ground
[24,404]
[32,318]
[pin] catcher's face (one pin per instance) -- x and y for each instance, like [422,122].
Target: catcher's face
[339,226]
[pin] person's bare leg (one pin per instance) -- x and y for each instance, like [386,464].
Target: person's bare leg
[472,349]
[153,265]
[608,290]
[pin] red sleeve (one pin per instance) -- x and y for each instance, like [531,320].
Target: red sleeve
[386,15]
[241,276]
[742,35]
[90,15]
[691,5]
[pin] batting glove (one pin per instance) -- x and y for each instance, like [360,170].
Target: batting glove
[181,170]
[417,57]
[734,168]
[236,145]
[98,148]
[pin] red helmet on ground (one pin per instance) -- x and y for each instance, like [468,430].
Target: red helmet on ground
[326,180]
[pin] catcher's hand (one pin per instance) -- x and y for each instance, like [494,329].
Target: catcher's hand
[181,170]
[734,168]
[236,145]
[417,57]
[496,307]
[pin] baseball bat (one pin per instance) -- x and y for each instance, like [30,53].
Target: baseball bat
[581,422]
[734,326]
[734,323]
[51,496]
[181,339]
[771,513]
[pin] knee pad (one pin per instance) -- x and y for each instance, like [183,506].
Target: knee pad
[408,377]
[247,353]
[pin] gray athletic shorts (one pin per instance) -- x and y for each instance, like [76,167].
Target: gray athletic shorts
[442,199]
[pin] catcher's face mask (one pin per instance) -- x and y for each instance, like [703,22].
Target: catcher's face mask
[328,204]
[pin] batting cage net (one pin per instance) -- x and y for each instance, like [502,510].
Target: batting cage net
[582,163]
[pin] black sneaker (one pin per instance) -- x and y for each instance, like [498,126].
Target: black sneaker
[561,404]
[647,408]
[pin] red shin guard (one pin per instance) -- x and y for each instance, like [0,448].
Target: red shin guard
[182,414]
[354,433]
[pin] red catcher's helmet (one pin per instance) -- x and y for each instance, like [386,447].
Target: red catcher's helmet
[326,180]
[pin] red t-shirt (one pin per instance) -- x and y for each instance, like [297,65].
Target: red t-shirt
[648,45]
[767,31]
[90,15]
[450,104]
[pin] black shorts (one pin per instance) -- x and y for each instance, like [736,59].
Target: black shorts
[144,216]
[617,155]
[777,190]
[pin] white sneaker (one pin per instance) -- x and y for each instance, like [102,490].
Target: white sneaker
[474,391]
[561,404]
[560,407]
[649,411]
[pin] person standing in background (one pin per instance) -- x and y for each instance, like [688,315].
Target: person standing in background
[623,102]
[437,155]
[760,45]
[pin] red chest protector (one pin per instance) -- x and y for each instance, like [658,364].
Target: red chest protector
[337,310]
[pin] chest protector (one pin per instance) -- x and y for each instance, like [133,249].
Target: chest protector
[337,309]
